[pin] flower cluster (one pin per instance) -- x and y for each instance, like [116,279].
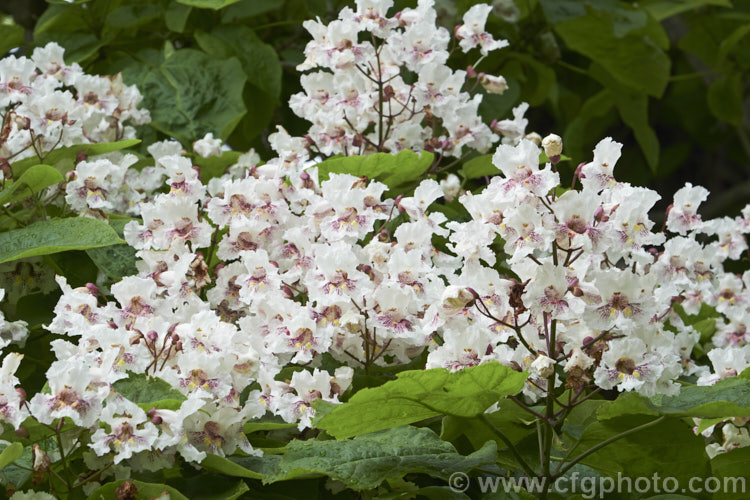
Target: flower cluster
[46,103]
[383,84]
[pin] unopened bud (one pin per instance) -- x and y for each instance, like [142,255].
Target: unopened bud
[389,93]
[493,84]
[471,72]
[93,289]
[579,171]
[152,335]
[553,146]
[534,137]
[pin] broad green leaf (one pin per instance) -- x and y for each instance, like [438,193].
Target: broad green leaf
[725,98]
[210,487]
[266,426]
[148,392]
[75,265]
[259,60]
[645,451]
[208,4]
[366,461]
[731,41]
[53,236]
[479,167]
[620,44]
[391,170]
[146,491]
[515,422]
[594,116]
[10,454]
[116,261]
[30,182]
[662,9]
[248,8]
[730,469]
[71,152]
[68,26]
[132,16]
[633,108]
[419,394]
[727,398]
[186,103]
[176,16]
[11,34]
[227,467]
[19,471]
[215,166]
[482,165]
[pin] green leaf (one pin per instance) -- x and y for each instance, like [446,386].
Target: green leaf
[391,170]
[482,165]
[32,181]
[259,60]
[645,451]
[116,261]
[53,236]
[186,103]
[727,398]
[725,98]
[146,491]
[215,166]
[208,4]
[620,45]
[633,108]
[730,469]
[11,34]
[420,394]
[731,42]
[67,25]
[176,16]
[662,9]
[266,426]
[132,16]
[227,467]
[211,487]
[248,8]
[70,153]
[479,167]
[10,454]
[366,461]
[149,392]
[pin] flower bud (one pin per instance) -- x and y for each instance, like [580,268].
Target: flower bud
[534,137]
[553,146]
[493,84]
